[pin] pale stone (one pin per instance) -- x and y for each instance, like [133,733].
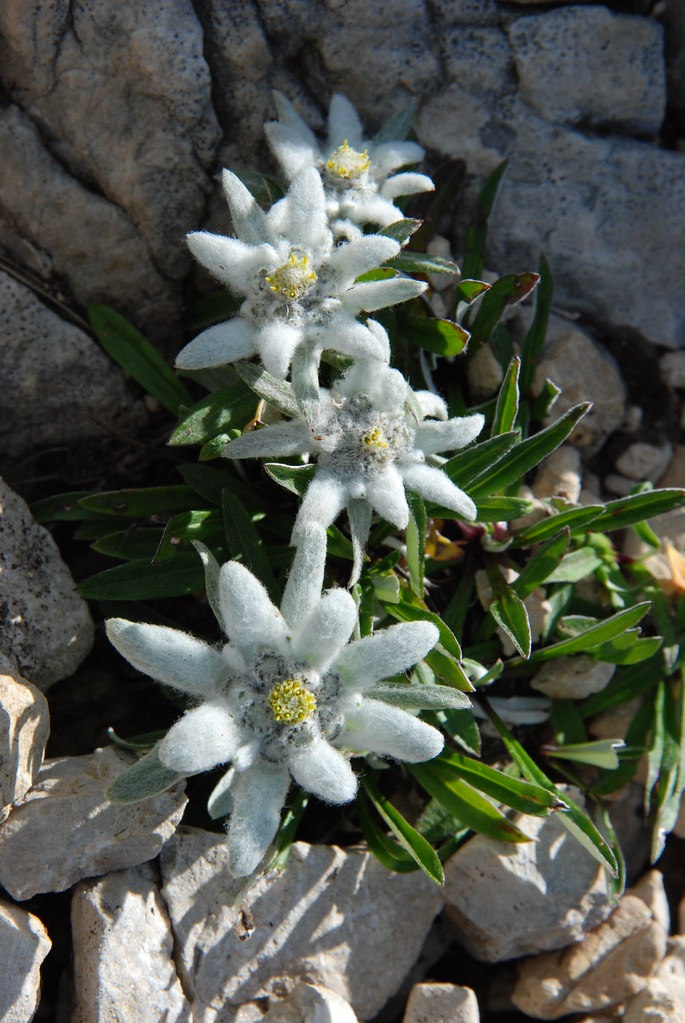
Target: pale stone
[609,965]
[662,1000]
[440,246]
[67,830]
[307,1003]
[617,484]
[675,473]
[650,888]
[560,475]
[123,952]
[47,627]
[484,373]
[633,419]
[672,369]
[441,1003]
[537,606]
[573,678]
[643,461]
[509,900]
[584,372]
[24,944]
[329,919]
[60,387]
[24,730]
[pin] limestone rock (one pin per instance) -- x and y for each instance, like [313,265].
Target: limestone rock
[60,386]
[24,944]
[586,66]
[123,951]
[47,627]
[484,373]
[24,730]
[441,1003]
[560,475]
[67,830]
[584,373]
[308,1003]
[573,678]
[662,1000]
[672,369]
[643,461]
[650,888]
[609,965]
[508,901]
[330,918]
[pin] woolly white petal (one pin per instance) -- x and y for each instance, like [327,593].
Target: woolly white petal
[436,486]
[355,258]
[406,184]
[248,217]
[359,514]
[220,801]
[276,341]
[385,387]
[323,502]
[431,404]
[346,335]
[343,123]
[386,494]
[385,653]
[202,739]
[307,223]
[168,655]
[252,621]
[290,148]
[368,208]
[455,433]
[389,731]
[378,294]
[230,260]
[258,797]
[324,771]
[218,345]
[280,439]
[322,635]
[388,156]
[303,589]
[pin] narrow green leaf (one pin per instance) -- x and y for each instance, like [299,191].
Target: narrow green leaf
[522,796]
[628,510]
[245,544]
[141,503]
[541,566]
[387,851]
[287,831]
[511,615]
[448,669]
[129,544]
[421,696]
[600,753]
[463,468]
[478,228]
[212,570]
[534,339]
[140,580]
[215,447]
[232,406]
[278,393]
[406,612]
[401,230]
[594,636]
[411,262]
[210,481]
[146,778]
[295,478]
[574,519]
[185,527]
[507,406]
[576,565]
[508,290]
[398,125]
[502,509]
[444,337]
[416,542]
[640,649]
[468,291]
[64,508]
[407,837]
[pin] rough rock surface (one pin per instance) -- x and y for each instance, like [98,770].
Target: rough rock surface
[67,830]
[573,678]
[59,386]
[509,901]
[609,965]
[330,918]
[441,1003]
[643,461]
[24,730]
[47,628]
[112,918]
[24,944]
[307,1003]
[662,1000]
[560,475]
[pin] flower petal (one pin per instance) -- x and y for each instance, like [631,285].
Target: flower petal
[380,728]
[359,514]
[276,341]
[322,503]
[344,334]
[388,156]
[386,494]
[220,801]
[323,634]
[368,208]
[303,589]
[218,345]
[169,656]
[249,220]
[258,797]
[252,621]
[351,260]
[205,737]
[343,123]
[230,260]
[290,148]
[307,223]
[289,118]
[447,436]
[431,404]
[323,770]
[378,294]
[279,439]
[436,486]
[406,184]
[385,653]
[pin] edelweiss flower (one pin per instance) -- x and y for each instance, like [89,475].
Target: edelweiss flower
[371,439]
[285,696]
[358,175]
[299,286]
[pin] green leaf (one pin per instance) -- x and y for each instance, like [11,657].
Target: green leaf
[212,571]
[469,291]
[576,565]
[502,509]
[600,753]
[628,510]
[401,230]
[407,837]
[185,527]
[386,850]
[541,566]
[543,403]
[463,468]
[295,478]
[535,337]
[507,406]
[278,393]
[574,518]
[398,125]
[511,615]
[230,407]
[140,580]
[137,357]
[215,447]
[478,228]
[508,290]
[595,635]
[444,337]
[420,696]
[406,612]
[638,650]
[522,796]
[64,508]
[210,481]
[448,669]
[245,544]
[146,778]
[129,544]
[416,542]
[141,503]
[411,262]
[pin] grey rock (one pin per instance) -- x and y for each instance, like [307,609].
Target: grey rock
[47,629]
[24,730]
[480,60]
[441,1003]
[560,475]
[67,830]
[24,944]
[586,66]
[675,53]
[672,369]
[308,1003]
[123,952]
[662,1000]
[573,678]
[509,901]
[643,461]
[650,888]
[330,919]
[60,387]
[617,484]
[449,13]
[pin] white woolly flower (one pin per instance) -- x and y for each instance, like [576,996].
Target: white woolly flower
[298,285]
[359,175]
[286,696]
[371,439]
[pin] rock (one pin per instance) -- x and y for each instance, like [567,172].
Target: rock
[484,373]
[24,944]
[24,730]
[587,67]
[441,1003]
[123,951]
[645,461]
[308,1003]
[650,888]
[573,678]
[61,388]
[47,627]
[675,474]
[509,901]
[560,475]
[610,964]
[675,53]
[330,918]
[617,484]
[67,830]
[662,1000]
[633,419]
[672,369]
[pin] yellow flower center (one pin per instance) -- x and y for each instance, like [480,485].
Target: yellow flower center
[293,278]
[374,440]
[291,703]
[348,163]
